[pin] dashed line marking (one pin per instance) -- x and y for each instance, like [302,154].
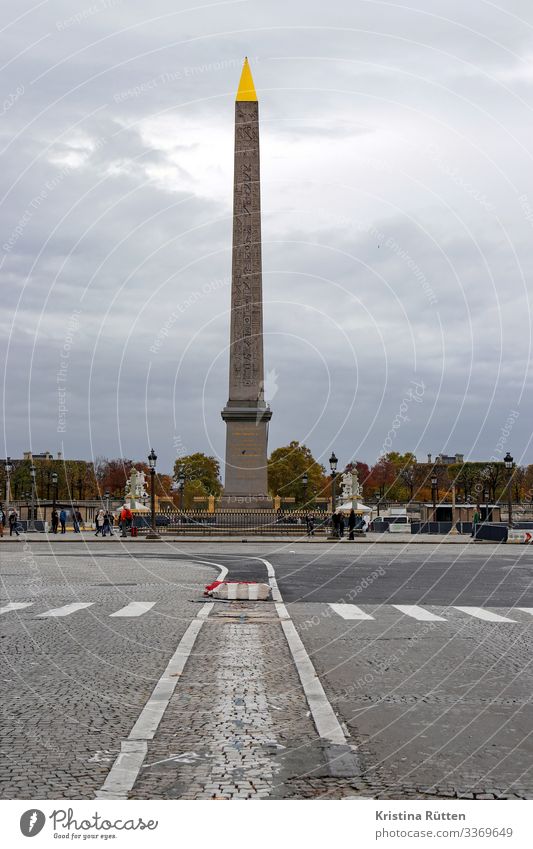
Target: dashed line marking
[15,605]
[417,612]
[134,608]
[481,613]
[350,611]
[66,610]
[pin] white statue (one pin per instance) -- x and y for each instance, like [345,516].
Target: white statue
[136,489]
[351,489]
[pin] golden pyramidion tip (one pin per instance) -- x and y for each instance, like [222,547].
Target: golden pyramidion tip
[246,90]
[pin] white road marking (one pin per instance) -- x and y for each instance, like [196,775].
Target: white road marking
[417,612]
[326,722]
[15,605]
[350,611]
[232,591]
[526,610]
[481,613]
[134,608]
[66,610]
[123,774]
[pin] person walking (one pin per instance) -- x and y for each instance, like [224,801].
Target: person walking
[310,520]
[341,525]
[75,513]
[79,520]
[99,522]
[55,521]
[125,520]
[107,524]
[475,520]
[335,524]
[13,521]
[63,520]
[351,524]
[2,521]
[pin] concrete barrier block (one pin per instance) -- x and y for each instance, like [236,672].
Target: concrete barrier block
[239,591]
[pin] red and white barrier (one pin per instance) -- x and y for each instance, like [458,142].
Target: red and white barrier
[238,590]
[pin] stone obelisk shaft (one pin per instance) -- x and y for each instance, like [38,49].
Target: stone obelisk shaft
[246,414]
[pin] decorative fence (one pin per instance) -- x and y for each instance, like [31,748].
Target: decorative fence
[235,523]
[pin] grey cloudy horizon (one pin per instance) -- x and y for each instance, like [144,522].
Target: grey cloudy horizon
[397,218]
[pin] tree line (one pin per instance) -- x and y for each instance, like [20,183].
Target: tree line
[293,474]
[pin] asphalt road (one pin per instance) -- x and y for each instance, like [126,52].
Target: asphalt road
[424,653]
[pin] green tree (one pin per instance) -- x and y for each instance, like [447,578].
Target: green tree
[286,467]
[200,475]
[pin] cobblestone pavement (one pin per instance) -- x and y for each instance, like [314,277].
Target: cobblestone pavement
[73,686]
[436,708]
[435,699]
[238,725]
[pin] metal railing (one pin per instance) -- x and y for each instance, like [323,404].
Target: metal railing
[235,523]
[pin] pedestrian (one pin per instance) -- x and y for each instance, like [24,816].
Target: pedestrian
[341,525]
[310,525]
[2,521]
[63,520]
[13,521]
[475,520]
[76,524]
[108,520]
[335,524]
[351,523]
[55,521]
[79,520]
[126,517]
[99,522]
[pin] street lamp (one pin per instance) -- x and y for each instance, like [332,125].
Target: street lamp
[434,482]
[333,466]
[8,468]
[106,496]
[152,459]
[377,496]
[305,481]
[486,498]
[509,463]
[181,487]
[33,474]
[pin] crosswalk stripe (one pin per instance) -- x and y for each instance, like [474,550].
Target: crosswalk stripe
[15,605]
[134,608]
[66,610]
[526,610]
[417,612]
[481,613]
[350,611]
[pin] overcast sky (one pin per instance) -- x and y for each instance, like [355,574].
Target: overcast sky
[397,210]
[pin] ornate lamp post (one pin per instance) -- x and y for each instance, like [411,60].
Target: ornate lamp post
[434,482]
[8,468]
[152,460]
[486,498]
[33,474]
[509,463]
[333,462]
[181,488]
[377,496]
[54,484]
[106,496]
[305,482]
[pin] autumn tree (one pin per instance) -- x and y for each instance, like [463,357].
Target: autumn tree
[286,467]
[200,476]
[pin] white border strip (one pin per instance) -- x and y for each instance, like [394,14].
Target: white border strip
[124,772]
[324,717]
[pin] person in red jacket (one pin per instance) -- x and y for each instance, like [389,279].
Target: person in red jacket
[126,517]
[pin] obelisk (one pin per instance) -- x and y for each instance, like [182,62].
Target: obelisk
[246,414]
